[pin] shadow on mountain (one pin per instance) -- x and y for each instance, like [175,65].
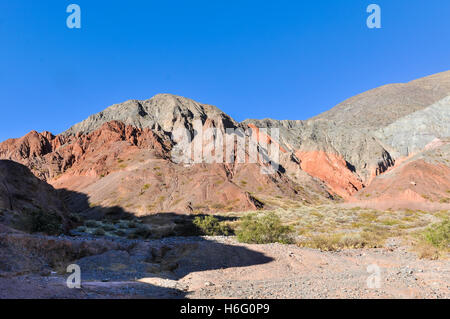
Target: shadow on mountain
[118,251]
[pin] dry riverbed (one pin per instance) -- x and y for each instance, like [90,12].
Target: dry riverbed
[220,267]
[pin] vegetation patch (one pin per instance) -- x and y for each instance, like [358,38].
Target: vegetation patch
[369,238]
[438,234]
[39,221]
[211,226]
[99,232]
[427,251]
[263,229]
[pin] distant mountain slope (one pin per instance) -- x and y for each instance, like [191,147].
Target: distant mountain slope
[384,105]
[414,131]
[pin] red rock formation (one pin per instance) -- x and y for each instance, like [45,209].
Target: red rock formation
[265,139]
[332,169]
[414,181]
[128,167]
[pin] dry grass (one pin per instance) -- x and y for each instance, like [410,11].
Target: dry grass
[433,242]
[331,227]
[370,237]
[426,251]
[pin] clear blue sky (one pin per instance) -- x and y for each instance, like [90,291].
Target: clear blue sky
[253,59]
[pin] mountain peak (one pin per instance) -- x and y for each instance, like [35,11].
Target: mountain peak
[160,111]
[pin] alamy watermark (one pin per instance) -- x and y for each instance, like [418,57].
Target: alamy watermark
[374,20]
[74,19]
[374,280]
[228,145]
[74,280]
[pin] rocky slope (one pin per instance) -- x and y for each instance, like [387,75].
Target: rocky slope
[419,179]
[124,156]
[27,202]
[384,105]
[413,132]
[345,159]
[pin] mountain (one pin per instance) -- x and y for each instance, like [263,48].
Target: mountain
[345,159]
[122,157]
[384,105]
[351,145]
[362,150]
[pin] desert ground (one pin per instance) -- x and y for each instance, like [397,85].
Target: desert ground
[220,267]
[330,259]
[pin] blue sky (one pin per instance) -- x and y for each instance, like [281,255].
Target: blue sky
[253,59]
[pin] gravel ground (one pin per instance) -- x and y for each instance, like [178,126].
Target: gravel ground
[306,273]
[220,267]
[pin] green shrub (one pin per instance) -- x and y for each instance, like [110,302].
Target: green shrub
[39,221]
[75,218]
[263,229]
[80,229]
[109,227]
[120,233]
[142,231]
[91,223]
[438,234]
[132,224]
[132,236]
[99,232]
[122,225]
[210,226]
